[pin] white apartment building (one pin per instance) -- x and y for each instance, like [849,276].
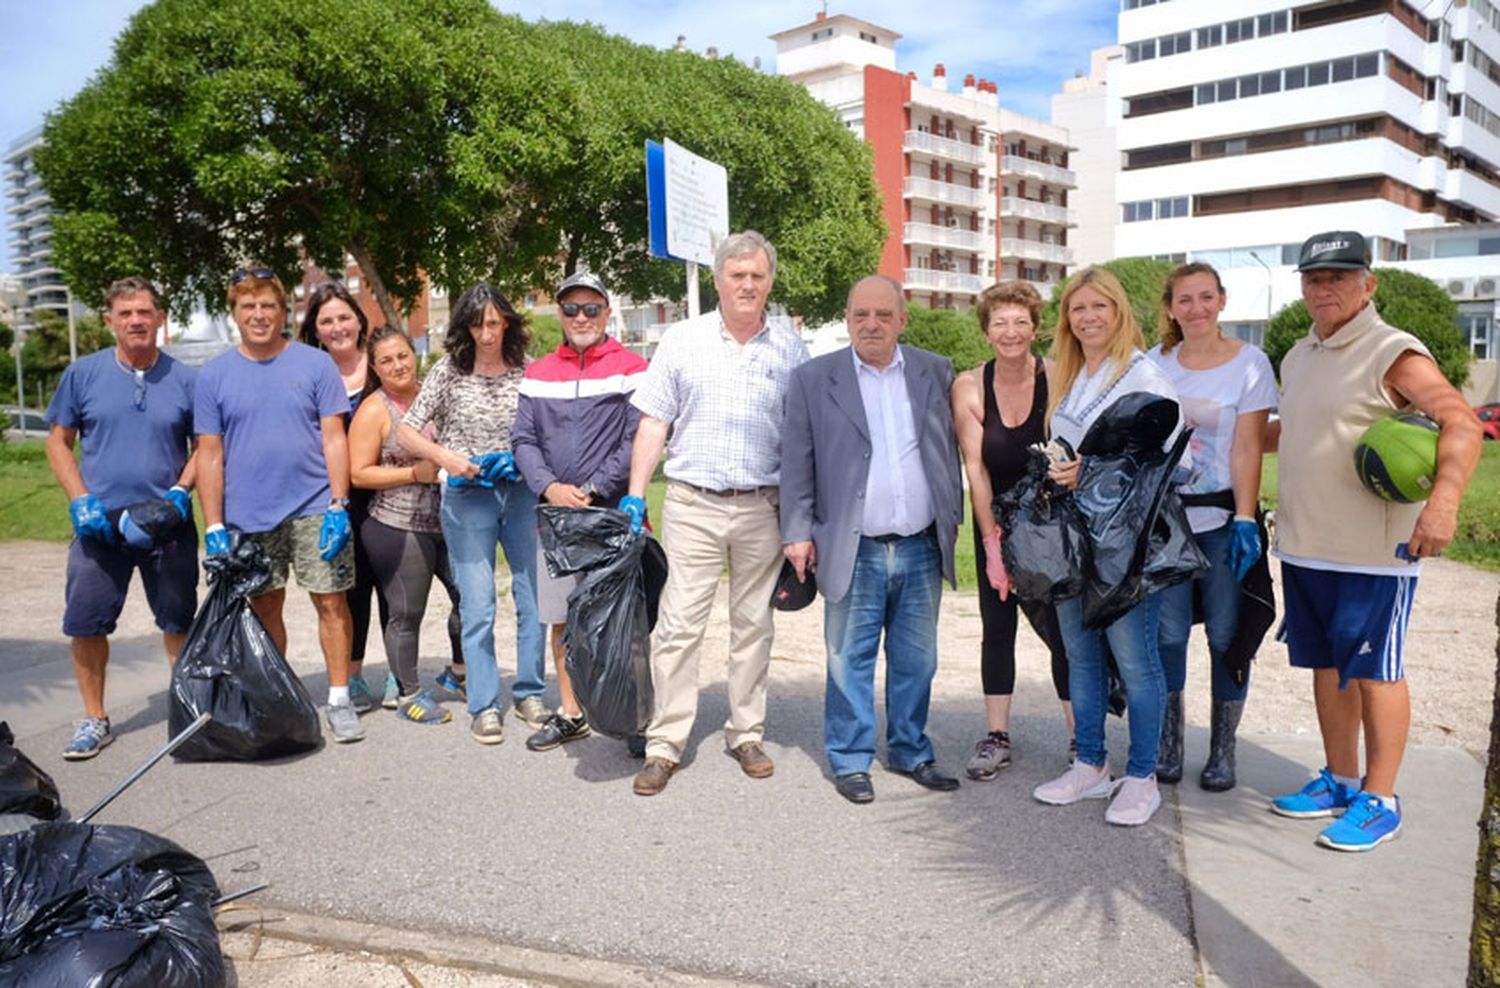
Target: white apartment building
[1083,110]
[28,229]
[972,193]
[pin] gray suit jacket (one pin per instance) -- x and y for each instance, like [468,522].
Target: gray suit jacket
[825,459]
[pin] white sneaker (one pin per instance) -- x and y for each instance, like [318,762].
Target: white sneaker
[1135,800]
[1080,781]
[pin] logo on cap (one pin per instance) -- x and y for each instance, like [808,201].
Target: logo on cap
[1324,246]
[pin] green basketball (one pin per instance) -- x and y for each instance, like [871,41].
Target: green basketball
[1397,457]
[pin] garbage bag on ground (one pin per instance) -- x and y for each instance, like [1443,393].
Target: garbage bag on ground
[1045,544]
[230,668]
[1138,533]
[24,788]
[105,907]
[610,612]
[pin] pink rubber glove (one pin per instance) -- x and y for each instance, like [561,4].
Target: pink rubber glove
[994,565]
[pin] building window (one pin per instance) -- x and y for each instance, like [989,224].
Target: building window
[826,32]
[867,36]
[353,284]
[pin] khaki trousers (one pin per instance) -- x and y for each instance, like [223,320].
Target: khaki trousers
[702,532]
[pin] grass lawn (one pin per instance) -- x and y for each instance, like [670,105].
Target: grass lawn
[32,506]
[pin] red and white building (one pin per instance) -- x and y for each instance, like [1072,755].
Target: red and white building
[973,193]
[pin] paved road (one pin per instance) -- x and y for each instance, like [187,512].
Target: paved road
[418,829]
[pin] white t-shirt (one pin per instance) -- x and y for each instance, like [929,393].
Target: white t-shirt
[1090,395]
[1212,402]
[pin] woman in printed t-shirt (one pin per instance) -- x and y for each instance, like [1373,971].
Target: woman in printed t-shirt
[470,397]
[1227,390]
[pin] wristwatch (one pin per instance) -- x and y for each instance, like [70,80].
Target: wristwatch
[339,502]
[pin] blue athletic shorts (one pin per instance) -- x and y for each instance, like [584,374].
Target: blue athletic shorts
[1352,622]
[99,577]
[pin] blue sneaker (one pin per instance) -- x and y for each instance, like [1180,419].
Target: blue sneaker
[92,737]
[1323,796]
[1365,825]
[390,697]
[360,695]
[450,682]
[423,709]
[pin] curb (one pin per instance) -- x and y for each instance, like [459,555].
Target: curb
[464,952]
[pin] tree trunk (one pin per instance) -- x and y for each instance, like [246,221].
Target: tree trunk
[361,256]
[1484,938]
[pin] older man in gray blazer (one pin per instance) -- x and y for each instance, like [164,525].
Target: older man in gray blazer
[871,498]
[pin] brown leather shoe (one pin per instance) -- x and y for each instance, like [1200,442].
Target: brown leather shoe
[653,776]
[753,760]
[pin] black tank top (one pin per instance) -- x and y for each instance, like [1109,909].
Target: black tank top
[1004,449]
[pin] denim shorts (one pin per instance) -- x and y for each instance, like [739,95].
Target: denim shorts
[293,545]
[1352,622]
[99,578]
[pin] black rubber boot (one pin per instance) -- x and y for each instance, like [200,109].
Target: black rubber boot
[1169,755]
[1218,774]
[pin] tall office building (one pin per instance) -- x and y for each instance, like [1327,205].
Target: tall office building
[973,193]
[1083,110]
[1244,128]
[29,234]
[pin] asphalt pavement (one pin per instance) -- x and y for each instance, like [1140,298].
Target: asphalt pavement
[427,843]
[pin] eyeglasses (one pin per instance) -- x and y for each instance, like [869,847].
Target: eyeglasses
[140,389]
[265,274]
[590,309]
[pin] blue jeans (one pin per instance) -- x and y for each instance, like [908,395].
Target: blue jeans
[1220,595]
[896,589]
[1133,640]
[475,520]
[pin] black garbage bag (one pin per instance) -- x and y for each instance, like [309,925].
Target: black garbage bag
[230,668]
[610,612]
[1045,544]
[105,907]
[24,788]
[1138,533]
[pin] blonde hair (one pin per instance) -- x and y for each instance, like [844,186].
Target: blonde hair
[1125,336]
[1171,333]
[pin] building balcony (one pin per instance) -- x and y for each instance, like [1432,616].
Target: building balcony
[1014,164]
[943,281]
[1036,250]
[1042,212]
[943,236]
[914,187]
[942,147]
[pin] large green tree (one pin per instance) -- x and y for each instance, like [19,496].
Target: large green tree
[45,352]
[1405,300]
[405,132]
[956,335]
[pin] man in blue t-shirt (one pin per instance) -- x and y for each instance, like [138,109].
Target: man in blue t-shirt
[132,407]
[274,464]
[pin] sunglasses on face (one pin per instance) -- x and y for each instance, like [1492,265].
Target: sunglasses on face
[140,389]
[589,309]
[265,274]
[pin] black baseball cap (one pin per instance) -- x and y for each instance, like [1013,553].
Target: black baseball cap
[581,279]
[1342,249]
[790,593]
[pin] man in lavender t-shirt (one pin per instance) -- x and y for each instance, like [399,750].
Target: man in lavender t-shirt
[274,464]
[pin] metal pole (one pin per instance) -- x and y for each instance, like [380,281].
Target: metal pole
[692,287]
[20,388]
[226,899]
[72,328]
[172,745]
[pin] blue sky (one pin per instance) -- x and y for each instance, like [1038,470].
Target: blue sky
[48,50]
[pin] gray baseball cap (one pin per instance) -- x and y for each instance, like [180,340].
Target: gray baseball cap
[1343,249]
[581,279]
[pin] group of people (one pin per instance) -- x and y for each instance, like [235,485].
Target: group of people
[847,469]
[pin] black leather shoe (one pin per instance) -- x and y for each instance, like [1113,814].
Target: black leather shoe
[928,776]
[855,787]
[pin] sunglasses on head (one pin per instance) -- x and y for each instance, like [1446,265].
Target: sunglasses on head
[265,274]
[590,309]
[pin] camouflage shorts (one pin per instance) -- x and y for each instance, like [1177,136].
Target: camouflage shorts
[294,545]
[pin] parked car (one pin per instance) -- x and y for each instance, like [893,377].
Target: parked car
[35,421]
[1489,419]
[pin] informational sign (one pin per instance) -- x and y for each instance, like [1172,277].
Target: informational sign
[687,201]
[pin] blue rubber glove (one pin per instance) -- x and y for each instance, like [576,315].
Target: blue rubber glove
[635,507]
[495,467]
[334,534]
[89,519]
[181,500]
[1244,546]
[455,480]
[216,541]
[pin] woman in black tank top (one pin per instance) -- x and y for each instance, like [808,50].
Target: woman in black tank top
[995,456]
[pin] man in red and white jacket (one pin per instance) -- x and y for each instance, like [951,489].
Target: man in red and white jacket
[572,441]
